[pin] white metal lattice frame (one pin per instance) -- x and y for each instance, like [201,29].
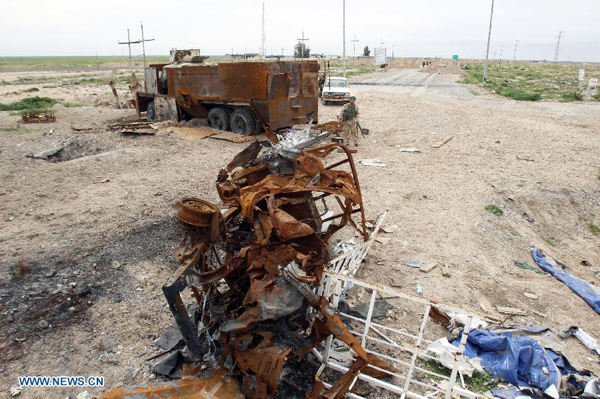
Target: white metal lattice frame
[389,343]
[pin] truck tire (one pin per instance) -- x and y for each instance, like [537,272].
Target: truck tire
[243,122]
[324,102]
[218,118]
[151,112]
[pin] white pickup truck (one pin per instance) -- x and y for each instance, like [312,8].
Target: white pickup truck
[335,89]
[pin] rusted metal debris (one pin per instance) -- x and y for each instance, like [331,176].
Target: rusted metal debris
[333,127]
[214,384]
[132,127]
[253,268]
[39,117]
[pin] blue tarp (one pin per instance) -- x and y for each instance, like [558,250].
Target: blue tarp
[520,361]
[578,286]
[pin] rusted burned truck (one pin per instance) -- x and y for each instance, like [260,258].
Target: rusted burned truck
[243,97]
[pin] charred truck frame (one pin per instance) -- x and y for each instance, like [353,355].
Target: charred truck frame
[243,97]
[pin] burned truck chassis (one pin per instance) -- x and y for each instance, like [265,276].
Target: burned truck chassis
[244,97]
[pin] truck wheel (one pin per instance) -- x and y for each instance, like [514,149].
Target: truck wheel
[324,102]
[218,118]
[243,122]
[151,112]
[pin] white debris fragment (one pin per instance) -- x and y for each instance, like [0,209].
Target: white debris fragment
[389,229]
[343,247]
[372,162]
[447,355]
[84,395]
[15,390]
[458,320]
[410,150]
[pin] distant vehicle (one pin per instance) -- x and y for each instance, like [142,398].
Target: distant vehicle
[335,89]
[242,97]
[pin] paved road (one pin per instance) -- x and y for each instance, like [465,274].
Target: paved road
[413,82]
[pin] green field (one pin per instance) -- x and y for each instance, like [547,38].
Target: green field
[533,81]
[76,61]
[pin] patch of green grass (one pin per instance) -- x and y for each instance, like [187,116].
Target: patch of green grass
[31,90]
[361,70]
[479,382]
[549,241]
[90,80]
[527,266]
[594,229]
[572,96]
[15,128]
[4,83]
[72,105]
[74,61]
[30,105]
[596,97]
[495,210]
[530,81]
[519,95]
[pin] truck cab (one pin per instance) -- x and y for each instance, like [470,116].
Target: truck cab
[335,90]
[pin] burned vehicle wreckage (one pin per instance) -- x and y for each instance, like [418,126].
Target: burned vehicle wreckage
[254,267]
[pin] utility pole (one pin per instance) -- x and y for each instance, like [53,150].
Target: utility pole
[143,45]
[264,36]
[515,54]
[303,45]
[128,43]
[354,41]
[144,53]
[344,33]
[487,52]
[560,35]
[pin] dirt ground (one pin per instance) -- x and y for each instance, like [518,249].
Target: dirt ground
[86,243]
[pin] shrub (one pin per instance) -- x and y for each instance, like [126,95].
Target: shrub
[495,210]
[31,104]
[519,95]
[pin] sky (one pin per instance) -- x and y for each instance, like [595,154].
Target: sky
[407,28]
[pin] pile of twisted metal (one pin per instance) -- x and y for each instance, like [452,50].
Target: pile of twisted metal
[262,321]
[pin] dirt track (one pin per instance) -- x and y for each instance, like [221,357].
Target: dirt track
[114,239]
